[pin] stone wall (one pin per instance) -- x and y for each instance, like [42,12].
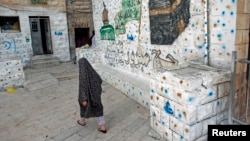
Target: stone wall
[19,44]
[181,107]
[11,73]
[206,38]
[222,27]
[185,101]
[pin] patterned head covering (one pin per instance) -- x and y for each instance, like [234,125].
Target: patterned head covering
[89,89]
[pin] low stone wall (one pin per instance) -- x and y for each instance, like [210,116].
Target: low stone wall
[11,73]
[134,86]
[184,102]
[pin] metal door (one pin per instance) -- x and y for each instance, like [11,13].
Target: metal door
[36,36]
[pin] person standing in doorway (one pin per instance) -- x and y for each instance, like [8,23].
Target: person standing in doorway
[92,42]
[89,98]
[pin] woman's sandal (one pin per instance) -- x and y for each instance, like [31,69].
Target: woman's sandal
[103,131]
[82,124]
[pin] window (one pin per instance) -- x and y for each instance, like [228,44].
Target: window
[34,27]
[9,24]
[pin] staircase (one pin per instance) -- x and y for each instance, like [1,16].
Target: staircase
[44,61]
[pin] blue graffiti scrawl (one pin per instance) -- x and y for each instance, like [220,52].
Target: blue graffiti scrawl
[168,108]
[7,45]
[130,37]
[58,33]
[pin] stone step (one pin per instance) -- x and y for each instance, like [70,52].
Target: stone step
[44,61]
[39,81]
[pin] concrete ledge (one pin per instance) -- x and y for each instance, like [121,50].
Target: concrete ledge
[133,85]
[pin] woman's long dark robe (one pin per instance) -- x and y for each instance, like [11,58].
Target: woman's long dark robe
[89,89]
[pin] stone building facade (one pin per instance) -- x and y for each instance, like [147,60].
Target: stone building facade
[80,23]
[30,28]
[33,27]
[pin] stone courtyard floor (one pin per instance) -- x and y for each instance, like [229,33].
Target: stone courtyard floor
[46,109]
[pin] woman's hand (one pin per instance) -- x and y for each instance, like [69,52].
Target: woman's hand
[84,103]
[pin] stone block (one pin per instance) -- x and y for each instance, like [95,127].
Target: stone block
[206,95]
[221,117]
[169,107]
[159,101]
[168,134]
[178,137]
[192,132]
[176,125]
[223,89]
[202,138]
[165,90]
[188,83]
[186,114]
[205,123]
[221,105]
[165,118]
[205,111]
[157,126]
[155,112]
[177,94]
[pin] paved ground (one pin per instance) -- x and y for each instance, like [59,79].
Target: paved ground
[46,109]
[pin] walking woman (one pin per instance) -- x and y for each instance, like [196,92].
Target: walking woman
[90,95]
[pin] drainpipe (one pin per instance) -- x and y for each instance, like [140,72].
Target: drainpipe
[207,36]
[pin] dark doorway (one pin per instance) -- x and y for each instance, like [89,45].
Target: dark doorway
[41,35]
[45,50]
[81,36]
